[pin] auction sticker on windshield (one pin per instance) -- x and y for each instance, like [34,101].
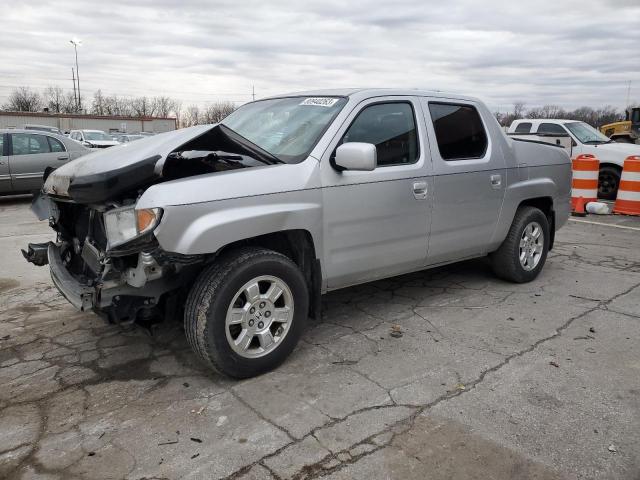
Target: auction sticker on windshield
[319,101]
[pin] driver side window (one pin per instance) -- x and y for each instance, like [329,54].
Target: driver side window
[391,128]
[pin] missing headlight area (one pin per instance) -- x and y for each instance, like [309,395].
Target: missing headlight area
[103,256]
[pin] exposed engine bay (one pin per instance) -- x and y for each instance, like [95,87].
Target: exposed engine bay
[105,250]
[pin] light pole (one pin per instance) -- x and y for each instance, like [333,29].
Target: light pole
[76,43]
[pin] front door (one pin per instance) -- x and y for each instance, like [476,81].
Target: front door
[376,223]
[5,174]
[469,178]
[30,155]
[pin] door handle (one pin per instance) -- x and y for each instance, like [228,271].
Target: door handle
[496,181]
[63,157]
[420,190]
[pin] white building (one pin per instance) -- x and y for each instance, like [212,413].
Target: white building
[66,122]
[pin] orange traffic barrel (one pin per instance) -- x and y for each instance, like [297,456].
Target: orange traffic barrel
[585,170]
[628,199]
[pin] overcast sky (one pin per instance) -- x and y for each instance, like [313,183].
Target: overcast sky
[562,52]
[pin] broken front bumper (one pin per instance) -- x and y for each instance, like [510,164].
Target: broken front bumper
[80,296]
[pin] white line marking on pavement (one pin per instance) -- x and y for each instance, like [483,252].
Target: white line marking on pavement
[604,224]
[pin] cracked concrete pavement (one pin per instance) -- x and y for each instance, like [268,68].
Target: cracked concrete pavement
[480,379]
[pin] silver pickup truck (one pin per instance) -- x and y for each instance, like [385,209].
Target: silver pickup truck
[238,228]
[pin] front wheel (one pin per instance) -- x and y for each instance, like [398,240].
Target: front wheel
[523,253]
[245,313]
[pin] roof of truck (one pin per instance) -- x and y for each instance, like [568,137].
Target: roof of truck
[364,93]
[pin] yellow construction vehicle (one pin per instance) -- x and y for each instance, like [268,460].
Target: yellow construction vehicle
[627,131]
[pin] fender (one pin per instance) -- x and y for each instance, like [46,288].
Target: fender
[207,227]
[514,195]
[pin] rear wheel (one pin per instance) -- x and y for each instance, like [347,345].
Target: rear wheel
[608,182]
[523,253]
[245,314]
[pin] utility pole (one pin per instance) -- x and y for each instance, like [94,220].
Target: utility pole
[253,92]
[628,93]
[75,98]
[75,42]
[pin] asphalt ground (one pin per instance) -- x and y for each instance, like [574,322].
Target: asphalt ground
[447,373]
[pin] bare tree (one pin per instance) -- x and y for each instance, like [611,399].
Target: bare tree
[98,105]
[191,116]
[163,106]
[54,99]
[216,112]
[143,107]
[177,110]
[23,99]
[69,103]
[114,105]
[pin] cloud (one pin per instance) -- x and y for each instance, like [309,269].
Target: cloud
[567,52]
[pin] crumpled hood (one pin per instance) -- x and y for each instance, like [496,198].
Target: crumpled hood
[120,158]
[615,152]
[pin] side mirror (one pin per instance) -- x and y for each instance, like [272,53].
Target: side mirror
[357,156]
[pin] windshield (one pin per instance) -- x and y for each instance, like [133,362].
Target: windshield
[287,128]
[96,136]
[585,133]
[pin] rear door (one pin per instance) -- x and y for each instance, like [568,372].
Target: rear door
[469,177]
[30,154]
[5,174]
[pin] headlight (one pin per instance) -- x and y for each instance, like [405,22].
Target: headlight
[126,223]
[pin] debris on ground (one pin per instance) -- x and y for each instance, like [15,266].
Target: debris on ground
[396,331]
[554,364]
[171,442]
[613,449]
[460,387]
[199,411]
[195,456]
[345,362]
[592,330]
[197,440]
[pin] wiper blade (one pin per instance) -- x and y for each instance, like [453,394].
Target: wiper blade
[257,152]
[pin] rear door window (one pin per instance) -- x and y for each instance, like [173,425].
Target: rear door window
[459,131]
[524,127]
[551,129]
[56,145]
[27,144]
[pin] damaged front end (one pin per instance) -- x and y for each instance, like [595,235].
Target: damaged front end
[106,257]
[119,279]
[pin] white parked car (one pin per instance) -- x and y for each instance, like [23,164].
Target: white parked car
[93,138]
[580,138]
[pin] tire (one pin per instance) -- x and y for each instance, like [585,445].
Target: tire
[209,304]
[506,261]
[608,182]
